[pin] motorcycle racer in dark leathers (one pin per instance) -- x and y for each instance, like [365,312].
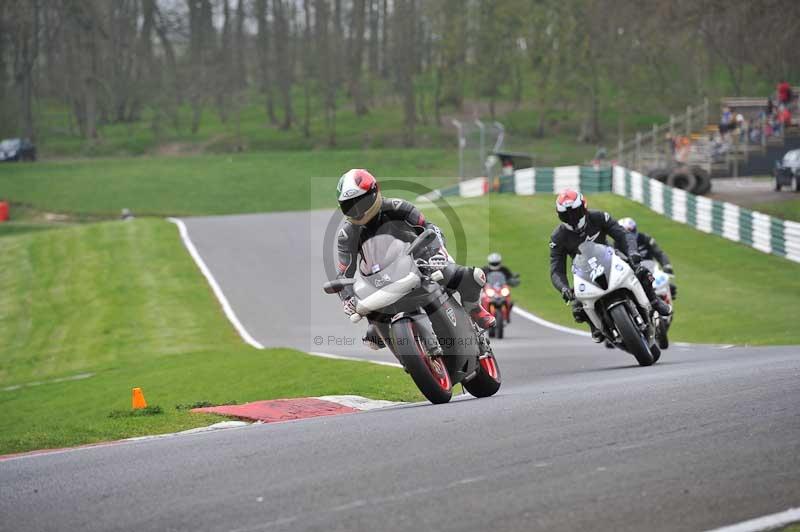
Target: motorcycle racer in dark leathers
[579,224]
[494,262]
[649,250]
[367,212]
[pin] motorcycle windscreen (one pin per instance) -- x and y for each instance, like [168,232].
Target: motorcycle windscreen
[593,263]
[496,279]
[649,265]
[379,252]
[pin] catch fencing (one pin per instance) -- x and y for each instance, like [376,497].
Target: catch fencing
[757,230]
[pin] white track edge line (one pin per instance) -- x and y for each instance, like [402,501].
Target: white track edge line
[549,324]
[355,359]
[569,330]
[226,306]
[767,522]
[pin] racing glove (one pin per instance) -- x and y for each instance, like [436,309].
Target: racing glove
[349,306]
[567,294]
[635,259]
[437,262]
[668,269]
[577,312]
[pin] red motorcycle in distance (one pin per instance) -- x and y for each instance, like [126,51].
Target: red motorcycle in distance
[496,299]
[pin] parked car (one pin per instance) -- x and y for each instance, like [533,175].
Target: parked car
[17,150]
[787,171]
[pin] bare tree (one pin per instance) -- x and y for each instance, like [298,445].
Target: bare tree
[405,59]
[308,67]
[326,69]
[356,57]
[25,49]
[265,58]
[283,59]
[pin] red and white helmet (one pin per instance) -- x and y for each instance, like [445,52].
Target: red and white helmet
[571,208]
[359,196]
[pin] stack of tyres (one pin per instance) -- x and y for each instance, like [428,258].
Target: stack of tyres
[689,178]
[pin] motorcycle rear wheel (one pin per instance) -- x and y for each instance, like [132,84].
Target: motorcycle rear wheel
[632,337]
[429,373]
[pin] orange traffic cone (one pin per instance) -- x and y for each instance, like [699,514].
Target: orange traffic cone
[137,399]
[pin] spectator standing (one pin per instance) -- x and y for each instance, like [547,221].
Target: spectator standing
[784,116]
[726,121]
[784,92]
[770,106]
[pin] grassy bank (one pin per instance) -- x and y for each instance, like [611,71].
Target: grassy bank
[207,184]
[728,293]
[125,302]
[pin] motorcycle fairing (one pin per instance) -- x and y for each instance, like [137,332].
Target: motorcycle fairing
[618,274]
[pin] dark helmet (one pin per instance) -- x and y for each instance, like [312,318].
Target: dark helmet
[359,196]
[571,208]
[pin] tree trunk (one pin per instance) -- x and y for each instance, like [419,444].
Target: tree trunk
[374,42]
[385,40]
[307,68]
[322,24]
[356,57]
[406,59]
[264,59]
[281,34]
[172,66]
[224,70]
[26,52]
[239,47]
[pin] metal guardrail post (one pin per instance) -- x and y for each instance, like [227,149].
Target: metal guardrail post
[638,150]
[705,113]
[482,155]
[461,144]
[688,120]
[500,137]
[656,145]
[672,126]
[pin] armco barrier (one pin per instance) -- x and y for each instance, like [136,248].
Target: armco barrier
[757,230]
[532,181]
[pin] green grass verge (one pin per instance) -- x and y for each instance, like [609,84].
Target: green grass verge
[788,210]
[123,300]
[728,293]
[208,184]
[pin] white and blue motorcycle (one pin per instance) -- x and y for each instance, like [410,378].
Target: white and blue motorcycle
[614,300]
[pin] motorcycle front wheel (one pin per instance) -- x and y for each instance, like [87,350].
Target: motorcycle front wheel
[429,373]
[632,337]
[499,324]
[487,381]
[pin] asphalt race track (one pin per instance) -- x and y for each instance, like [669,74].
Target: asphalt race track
[578,438]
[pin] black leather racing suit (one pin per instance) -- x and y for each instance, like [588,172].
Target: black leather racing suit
[405,222]
[502,269]
[648,248]
[599,225]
